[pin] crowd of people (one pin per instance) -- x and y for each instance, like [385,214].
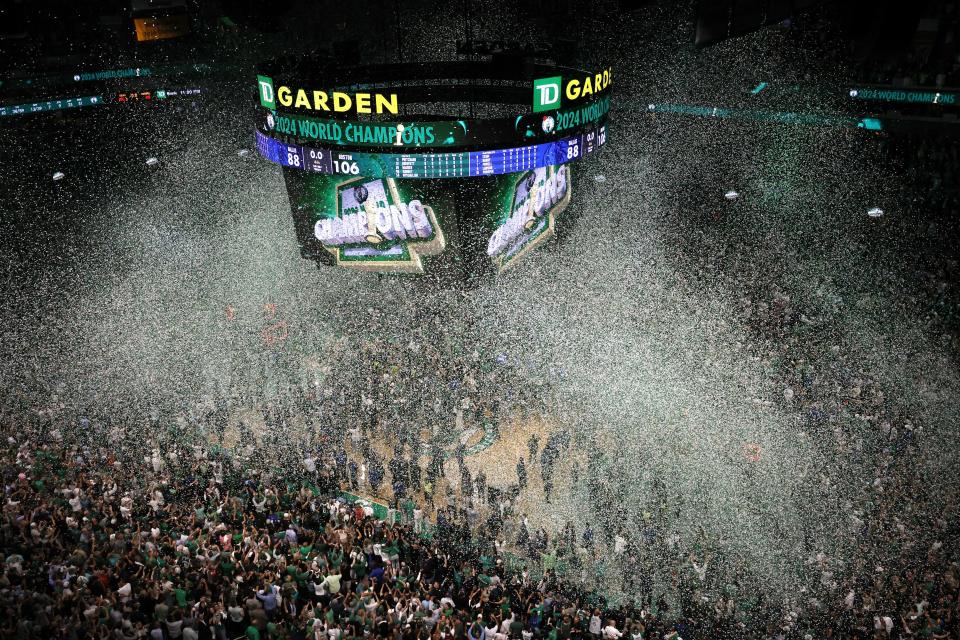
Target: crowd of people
[120,522]
[189,541]
[893,562]
[191,545]
[123,522]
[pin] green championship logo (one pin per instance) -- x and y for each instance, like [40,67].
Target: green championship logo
[537,196]
[373,229]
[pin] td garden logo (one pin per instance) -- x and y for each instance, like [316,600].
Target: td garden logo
[374,229]
[312,100]
[550,93]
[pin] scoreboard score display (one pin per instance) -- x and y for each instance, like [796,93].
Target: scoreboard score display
[375,189]
[450,164]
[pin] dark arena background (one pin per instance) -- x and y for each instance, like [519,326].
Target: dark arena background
[528,320]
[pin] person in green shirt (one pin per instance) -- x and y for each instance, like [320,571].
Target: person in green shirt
[335,558]
[536,614]
[476,630]
[516,627]
[289,589]
[460,628]
[276,631]
[359,569]
[486,562]
[252,633]
[392,551]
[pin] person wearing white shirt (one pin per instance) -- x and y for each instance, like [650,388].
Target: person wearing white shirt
[700,570]
[493,634]
[595,627]
[883,623]
[610,632]
[126,507]
[505,625]
[619,544]
[235,613]
[848,600]
[331,583]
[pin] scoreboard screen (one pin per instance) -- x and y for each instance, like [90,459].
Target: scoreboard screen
[429,189]
[138,96]
[393,225]
[454,164]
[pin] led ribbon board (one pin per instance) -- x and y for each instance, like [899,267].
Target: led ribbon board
[454,164]
[440,135]
[321,87]
[915,96]
[121,97]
